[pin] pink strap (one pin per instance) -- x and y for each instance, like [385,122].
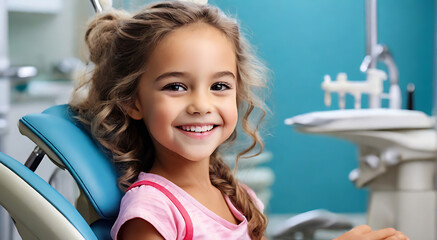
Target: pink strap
[187,219]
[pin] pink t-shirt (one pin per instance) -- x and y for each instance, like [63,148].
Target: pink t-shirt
[152,205]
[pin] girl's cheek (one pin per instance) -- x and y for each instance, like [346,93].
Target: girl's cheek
[232,113]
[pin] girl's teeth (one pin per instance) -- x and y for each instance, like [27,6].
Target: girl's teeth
[197,129]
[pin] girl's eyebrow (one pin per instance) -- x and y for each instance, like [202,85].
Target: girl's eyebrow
[170,74]
[183,74]
[224,74]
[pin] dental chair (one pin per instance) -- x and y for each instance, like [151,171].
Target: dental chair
[41,212]
[38,210]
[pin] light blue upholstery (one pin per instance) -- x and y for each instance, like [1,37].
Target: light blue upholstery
[84,159]
[102,229]
[49,193]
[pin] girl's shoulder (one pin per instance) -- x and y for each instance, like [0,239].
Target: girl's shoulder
[149,203]
[151,191]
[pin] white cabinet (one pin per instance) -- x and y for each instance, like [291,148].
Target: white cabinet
[35,6]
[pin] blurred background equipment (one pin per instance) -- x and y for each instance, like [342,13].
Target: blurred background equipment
[397,148]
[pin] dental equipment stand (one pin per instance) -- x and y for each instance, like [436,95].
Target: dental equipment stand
[397,150]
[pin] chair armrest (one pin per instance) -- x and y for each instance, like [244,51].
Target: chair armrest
[309,222]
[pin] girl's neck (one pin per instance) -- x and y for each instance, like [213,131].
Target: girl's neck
[183,172]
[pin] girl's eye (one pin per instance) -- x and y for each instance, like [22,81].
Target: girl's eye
[176,87]
[220,86]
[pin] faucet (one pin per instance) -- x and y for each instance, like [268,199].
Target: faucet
[375,53]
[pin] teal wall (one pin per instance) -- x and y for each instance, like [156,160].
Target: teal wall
[302,40]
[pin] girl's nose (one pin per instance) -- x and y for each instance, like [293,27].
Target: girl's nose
[199,104]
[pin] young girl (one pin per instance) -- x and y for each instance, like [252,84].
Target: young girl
[169,86]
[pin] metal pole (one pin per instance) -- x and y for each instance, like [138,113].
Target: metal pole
[371,32]
[435,101]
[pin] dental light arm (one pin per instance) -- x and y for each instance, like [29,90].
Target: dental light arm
[101,5]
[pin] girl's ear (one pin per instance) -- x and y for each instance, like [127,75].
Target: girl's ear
[135,111]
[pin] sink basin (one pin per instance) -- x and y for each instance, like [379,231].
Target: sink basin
[361,119]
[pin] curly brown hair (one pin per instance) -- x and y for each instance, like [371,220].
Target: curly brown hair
[119,45]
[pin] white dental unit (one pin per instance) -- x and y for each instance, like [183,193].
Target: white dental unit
[397,148]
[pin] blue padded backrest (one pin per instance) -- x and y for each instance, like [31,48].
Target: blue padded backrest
[90,167]
[50,194]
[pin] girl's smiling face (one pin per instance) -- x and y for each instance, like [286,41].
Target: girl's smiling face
[187,97]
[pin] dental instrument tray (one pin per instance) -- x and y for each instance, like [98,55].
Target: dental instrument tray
[360,119]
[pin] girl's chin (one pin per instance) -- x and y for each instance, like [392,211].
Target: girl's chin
[197,156]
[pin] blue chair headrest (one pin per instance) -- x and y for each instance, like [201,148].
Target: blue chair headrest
[93,171]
